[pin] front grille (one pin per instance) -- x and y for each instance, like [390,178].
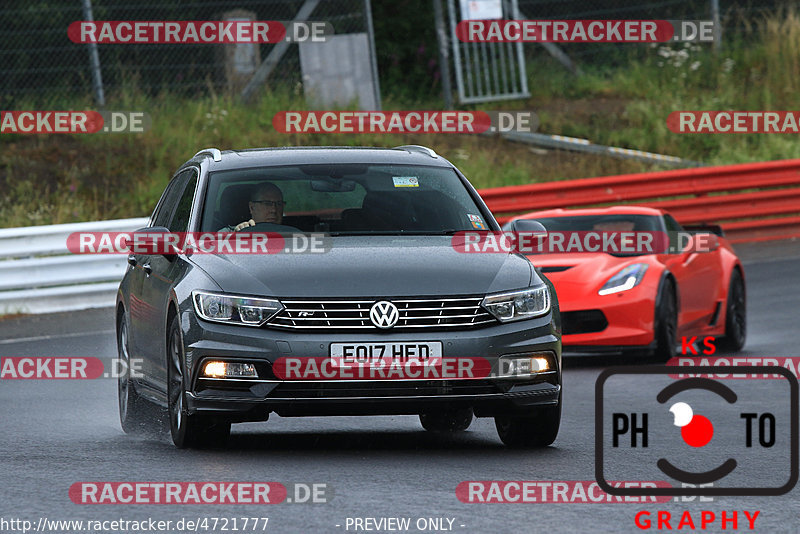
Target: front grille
[447,313]
[583,322]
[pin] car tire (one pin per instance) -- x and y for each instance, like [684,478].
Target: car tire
[666,322]
[448,421]
[539,429]
[735,315]
[134,411]
[187,430]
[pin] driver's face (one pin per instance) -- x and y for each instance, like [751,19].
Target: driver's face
[267,207]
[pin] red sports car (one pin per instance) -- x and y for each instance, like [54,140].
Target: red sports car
[644,301]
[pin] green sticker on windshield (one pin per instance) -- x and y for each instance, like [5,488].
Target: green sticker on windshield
[405,181]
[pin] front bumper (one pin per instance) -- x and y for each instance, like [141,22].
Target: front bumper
[629,318]
[253,399]
[371,398]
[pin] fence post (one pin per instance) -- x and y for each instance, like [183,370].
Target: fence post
[444,56]
[717,44]
[94,59]
[372,54]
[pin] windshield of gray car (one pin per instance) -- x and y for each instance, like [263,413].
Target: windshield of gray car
[343,199]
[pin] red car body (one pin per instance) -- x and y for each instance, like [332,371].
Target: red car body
[701,281]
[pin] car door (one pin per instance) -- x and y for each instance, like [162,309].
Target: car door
[163,271]
[694,271]
[141,315]
[159,272]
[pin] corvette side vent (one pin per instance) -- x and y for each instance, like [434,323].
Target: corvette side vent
[555,268]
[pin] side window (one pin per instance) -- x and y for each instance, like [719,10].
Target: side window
[180,220]
[672,224]
[166,206]
[673,229]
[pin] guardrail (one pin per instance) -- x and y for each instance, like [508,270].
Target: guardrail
[39,275]
[751,201]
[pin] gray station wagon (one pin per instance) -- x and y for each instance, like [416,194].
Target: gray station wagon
[384,316]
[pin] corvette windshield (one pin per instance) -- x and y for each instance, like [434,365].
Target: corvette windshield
[616,223]
[341,199]
[598,223]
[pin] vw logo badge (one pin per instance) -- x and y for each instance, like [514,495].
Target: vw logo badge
[384,314]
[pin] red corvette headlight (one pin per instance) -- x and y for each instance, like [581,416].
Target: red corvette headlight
[626,279]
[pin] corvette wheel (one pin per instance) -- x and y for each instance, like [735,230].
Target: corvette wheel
[188,430]
[735,315]
[133,410]
[539,429]
[666,322]
[450,421]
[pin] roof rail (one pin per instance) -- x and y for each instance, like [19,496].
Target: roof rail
[418,148]
[213,152]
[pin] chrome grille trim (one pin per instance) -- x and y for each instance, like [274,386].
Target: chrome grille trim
[445,313]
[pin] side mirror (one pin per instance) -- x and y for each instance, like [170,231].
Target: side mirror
[528,231]
[529,226]
[150,240]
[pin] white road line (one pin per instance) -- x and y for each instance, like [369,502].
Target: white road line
[58,336]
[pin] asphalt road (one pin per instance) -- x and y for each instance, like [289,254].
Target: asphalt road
[54,433]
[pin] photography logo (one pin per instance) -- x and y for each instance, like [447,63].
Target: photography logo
[741,438]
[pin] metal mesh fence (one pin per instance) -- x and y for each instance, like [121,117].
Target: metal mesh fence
[39,65]
[736,19]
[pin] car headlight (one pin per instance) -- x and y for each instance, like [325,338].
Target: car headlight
[626,279]
[517,305]
[223,308]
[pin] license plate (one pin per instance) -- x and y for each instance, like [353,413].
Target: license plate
[367,353]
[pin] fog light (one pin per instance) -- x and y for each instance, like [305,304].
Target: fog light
[218,369]
[526,365]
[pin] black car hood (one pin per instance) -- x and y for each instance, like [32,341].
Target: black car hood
[372,266]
